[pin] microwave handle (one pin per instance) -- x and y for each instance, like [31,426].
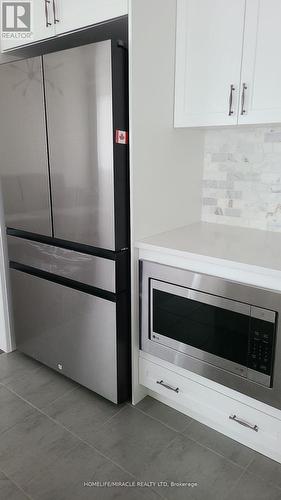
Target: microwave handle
[203,297]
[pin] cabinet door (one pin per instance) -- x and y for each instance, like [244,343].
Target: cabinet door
[42,25]
[73,15]
[208,62]
[261,69]
[24,163]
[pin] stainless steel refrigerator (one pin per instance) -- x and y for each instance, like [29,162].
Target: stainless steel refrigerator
[65,185]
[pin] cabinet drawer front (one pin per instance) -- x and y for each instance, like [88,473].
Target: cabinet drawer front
[239,421]
[69,330]
[84,268]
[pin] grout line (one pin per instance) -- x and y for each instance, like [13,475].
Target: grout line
[72,433]
[24,375]
[234,486]
[154,418]
[188,425]
[250,462]
[258,475]
[88,443]
[17,485]
[57,399]
[215,451]
[244,469]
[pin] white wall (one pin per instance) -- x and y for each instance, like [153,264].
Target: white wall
[166,163]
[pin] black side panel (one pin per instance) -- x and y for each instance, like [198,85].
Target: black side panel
[115,29]
[121,151]
[123,315]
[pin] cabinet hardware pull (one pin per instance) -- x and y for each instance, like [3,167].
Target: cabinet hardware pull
[230,110]
[55,12]
[243,110]
[47,13]
[161,382]
[244,423]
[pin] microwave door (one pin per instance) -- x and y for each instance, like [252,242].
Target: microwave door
[206,327]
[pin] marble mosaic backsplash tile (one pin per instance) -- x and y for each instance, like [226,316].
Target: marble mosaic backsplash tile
[242,177]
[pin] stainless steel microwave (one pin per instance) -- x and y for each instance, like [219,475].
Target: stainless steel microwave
[222,330]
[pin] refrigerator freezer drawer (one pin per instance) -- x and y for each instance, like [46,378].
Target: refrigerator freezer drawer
[81,267]
[68,330]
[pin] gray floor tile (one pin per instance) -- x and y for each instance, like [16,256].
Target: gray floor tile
[110,473]
[29,447]
[184,461]
[73,477]
[250,487]
[132,439]
[174,419]
[12,409]
[14,366]
[82,412]
[218,442]
[59,480]
[41,387]
[9,491]
[267,469]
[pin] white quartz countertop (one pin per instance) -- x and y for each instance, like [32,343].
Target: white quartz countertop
[222,250]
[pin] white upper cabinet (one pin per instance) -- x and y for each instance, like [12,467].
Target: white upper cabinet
[42,25]
[261,68]
[73,14]
[228,69]
[55,17]
[208,62]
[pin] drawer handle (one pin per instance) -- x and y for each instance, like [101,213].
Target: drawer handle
[161,382]
[244,423]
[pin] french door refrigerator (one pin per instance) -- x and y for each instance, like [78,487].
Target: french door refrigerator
[64,176]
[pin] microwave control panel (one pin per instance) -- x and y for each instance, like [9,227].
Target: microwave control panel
[261,345]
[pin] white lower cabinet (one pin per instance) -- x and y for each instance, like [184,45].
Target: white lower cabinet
[239,421]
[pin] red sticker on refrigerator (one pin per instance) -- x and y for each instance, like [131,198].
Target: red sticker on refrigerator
[121,137]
